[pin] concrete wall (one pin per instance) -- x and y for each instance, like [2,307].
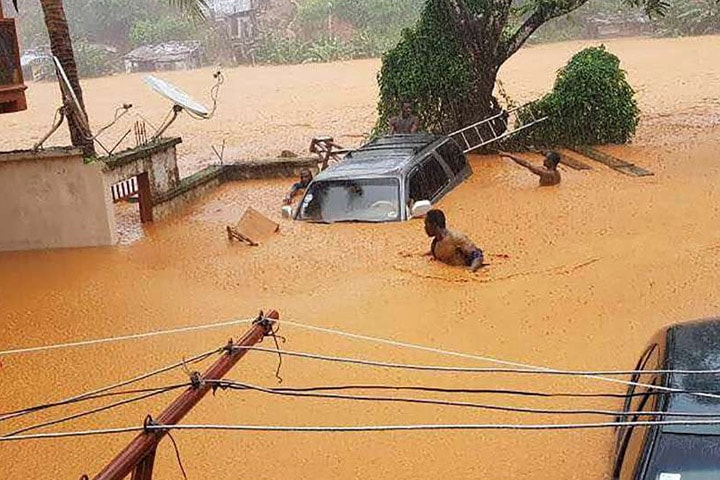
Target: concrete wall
[269,168]
[51,199]
[190,189]
[158,159]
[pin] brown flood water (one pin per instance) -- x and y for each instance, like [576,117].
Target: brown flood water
[593,269]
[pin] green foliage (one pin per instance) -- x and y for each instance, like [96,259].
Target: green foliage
[93,60]
[428,67]
[277,49]
[690,17]
[591,103]
[147,32]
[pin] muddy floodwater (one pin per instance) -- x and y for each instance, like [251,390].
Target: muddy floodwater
[580,277]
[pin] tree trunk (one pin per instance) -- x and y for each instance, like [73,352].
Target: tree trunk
[480,37]
[61,47]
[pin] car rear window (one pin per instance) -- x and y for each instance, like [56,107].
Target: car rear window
[428,180]
[454,157]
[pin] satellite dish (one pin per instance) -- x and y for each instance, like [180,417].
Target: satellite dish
[177,96]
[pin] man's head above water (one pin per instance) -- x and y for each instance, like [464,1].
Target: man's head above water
[435,223]
[552,159]
[305,176]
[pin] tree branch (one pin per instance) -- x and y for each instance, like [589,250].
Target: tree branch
[542,14]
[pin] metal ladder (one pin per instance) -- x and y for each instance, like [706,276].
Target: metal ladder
[494,128]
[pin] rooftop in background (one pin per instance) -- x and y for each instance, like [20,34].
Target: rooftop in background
[164,52]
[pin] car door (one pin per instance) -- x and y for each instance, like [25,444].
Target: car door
[633,441]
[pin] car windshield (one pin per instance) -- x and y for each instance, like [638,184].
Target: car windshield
[361,200]
[685,457]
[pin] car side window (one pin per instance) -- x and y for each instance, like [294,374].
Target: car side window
[428,180]
[453,156]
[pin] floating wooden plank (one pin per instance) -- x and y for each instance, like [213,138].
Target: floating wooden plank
[252,228]
[573,162]
[615,163]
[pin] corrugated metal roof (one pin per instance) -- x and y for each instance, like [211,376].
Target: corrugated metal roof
[164,52]
[226,8]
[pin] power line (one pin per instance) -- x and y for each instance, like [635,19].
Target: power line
[522,393]
[485,358]
[84,396]
[386,428]
[82,433]
[362,428]
[440,368]
[426,401]
[68,418]
[135,336]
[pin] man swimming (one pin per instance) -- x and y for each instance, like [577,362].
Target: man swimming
[548,173]
[450,247]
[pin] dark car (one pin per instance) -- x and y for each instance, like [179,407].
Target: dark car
[392,178]
[674,452]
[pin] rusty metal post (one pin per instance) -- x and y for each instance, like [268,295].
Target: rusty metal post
[138,456]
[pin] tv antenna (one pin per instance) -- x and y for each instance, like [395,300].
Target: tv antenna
[71,106]
[183,102]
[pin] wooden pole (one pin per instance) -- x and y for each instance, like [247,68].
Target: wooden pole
[138,457]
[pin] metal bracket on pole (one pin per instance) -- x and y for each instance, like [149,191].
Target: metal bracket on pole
[138,457]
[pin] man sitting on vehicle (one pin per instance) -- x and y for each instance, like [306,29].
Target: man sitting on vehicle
[305,179]
[450,247]
[548,173]
[406,122]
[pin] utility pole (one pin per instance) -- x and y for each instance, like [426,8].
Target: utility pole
[138,457]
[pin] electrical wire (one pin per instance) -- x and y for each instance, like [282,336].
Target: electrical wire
[522,393]
[245,386]
[485,358]
[362,428]
[438,368]
[101,390]
[135,336]
[95,410]
[386,428]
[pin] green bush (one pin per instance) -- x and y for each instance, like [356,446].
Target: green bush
[591,103]
[150,32]
[94,60]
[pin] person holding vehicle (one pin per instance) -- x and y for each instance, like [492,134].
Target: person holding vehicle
[450,247]
[305,179]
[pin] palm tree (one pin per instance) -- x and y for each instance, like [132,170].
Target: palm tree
[61,47]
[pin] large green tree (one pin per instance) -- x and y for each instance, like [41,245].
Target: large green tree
[448,63]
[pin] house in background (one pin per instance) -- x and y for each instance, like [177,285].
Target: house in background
[239,19]
[165,56]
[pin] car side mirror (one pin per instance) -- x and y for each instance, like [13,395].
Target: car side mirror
[287,211]
[420,208]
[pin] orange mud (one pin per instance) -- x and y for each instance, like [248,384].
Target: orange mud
[593,269]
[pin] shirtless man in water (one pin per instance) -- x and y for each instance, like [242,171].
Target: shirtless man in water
[548,173]
[448,246]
